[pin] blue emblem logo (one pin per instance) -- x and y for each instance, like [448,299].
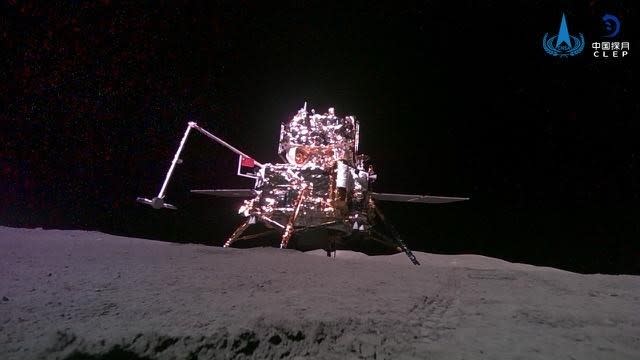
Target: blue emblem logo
[611,25]
[611,49]
[563,44]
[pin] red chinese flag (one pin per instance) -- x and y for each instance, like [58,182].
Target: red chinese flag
[246,161]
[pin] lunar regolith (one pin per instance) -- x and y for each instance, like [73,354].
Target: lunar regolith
[89,295]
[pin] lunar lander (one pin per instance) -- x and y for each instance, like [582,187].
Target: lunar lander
[319,198]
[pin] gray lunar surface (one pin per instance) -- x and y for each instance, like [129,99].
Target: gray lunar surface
[89,295]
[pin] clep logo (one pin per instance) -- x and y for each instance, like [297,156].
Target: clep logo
[563,44]
[610,49]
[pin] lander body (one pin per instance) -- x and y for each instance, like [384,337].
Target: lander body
[319,197]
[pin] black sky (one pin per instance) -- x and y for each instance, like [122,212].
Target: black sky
[454,98]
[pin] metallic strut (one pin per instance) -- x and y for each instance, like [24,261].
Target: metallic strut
[384,240]
[270,221]
[256,236]
[288,231]
[236,234]
[396,236]
[174,162]
[221,142]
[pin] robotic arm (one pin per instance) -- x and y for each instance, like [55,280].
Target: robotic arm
[158,201]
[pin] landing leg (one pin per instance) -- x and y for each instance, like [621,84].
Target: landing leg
[331,249]
[288,231]
[236,234]
[396,237]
